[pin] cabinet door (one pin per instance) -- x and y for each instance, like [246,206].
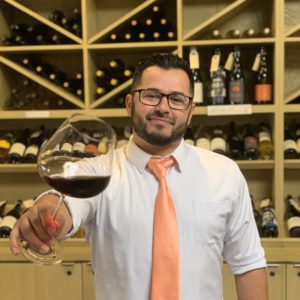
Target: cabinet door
[24,281]
[88,282]
[277,281]
[229,290]
[293,281]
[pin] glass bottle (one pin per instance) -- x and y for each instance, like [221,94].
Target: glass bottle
[17,150]
[250,144]
[5,144]
[269,226]
[290,150]
[235,144]
[265,145]
[218,141]
[292,216]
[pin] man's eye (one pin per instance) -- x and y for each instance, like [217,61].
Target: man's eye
[152,95]
[177,98]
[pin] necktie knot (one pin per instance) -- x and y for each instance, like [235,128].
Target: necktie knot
[159,167]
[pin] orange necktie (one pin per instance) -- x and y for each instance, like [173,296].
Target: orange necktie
[165,283]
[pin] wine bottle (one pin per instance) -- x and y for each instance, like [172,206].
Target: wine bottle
[289,146]
[257,216]
[114,38]
[10,218]
[71,25]
[216,34]
[269,227]
[17,150]
[30,62]
[41,34]
[189,137]
[249,33]
[217,86]
[8,221]
[127,73]
[263,86]
[74,86]
[218,142]
[250,144]
[66,147]
[233,34]
[236,80]
[5,144]
[198,82]
[102,75]
[235,144]
[116,66]
[2,208]
[292,216]
[58,77]
[203,139]
[265,145]
[59,39]
[78,148]
[36,140]
[266,32]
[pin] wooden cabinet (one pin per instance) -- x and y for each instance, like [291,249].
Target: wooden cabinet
[293,281]
[87,282]
[30,282]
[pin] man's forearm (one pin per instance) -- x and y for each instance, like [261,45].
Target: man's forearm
[252,285]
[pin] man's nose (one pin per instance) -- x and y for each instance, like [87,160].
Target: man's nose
[164,103]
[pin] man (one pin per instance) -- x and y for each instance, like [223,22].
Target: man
[213,213]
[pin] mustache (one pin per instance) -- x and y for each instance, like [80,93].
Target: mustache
[162,116]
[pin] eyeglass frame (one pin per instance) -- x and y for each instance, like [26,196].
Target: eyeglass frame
[163,95]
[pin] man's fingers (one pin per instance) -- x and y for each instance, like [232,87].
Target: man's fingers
[13,240]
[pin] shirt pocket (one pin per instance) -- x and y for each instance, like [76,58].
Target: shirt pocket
[210,221]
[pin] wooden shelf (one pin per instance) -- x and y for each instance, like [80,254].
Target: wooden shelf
[256,164]
[292,108]
[39,48]
[292,164]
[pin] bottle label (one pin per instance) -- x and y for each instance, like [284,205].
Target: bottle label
[229,62]
[90,148]
[78,147]
[236,91]
[218,143]
[8,221]
[256,63]
[32,150]
[194,58]
[17,148]
[215,62]
[289,144]
[293,222]
[66,147]
[198,93]
[189,142]
[203,143]
[264,136]
[4,144]
[268,217]
[218,88]
[263,92]
[250,142]
[36,134]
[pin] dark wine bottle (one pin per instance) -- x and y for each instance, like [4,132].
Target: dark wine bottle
[233,34]
[263,86]
[2,208]
[5,144]
[30,62]
[198,82]
[216,35]
[235,143]
[58,77]
[250,144]
[289,145]
[45,70]
[102,75]
[41,34]
[189,136]
[36,139]
[74,86]
[9,220]
[249,33]
[217,85]
[269,227]
[236,80]
[17,150]
[292,216]
[116,67]
[218,142]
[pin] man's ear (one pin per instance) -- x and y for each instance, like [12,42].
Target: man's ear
[128,103]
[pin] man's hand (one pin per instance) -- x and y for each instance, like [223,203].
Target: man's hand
[38,228]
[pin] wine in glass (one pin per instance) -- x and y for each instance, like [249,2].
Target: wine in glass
[76,162]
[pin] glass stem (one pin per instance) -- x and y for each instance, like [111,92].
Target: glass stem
[58,204]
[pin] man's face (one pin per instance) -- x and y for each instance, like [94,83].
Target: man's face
[160,125]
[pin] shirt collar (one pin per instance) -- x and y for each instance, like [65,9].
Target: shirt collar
[140,158]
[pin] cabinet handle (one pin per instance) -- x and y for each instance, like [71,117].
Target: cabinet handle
[296,265]
[273,265]
[69,267]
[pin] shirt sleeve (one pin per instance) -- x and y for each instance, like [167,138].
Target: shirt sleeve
[242,247]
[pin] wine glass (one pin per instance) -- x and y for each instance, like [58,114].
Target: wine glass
[77,162]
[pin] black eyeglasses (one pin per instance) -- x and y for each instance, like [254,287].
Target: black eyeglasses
[153,98]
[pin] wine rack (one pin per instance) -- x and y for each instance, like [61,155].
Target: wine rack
[194,22]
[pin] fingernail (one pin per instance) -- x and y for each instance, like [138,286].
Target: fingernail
[44,249]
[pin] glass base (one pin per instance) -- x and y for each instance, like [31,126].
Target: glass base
[53,257]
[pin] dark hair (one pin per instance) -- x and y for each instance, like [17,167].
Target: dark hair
[165,61]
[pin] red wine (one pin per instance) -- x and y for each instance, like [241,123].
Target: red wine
[78,186]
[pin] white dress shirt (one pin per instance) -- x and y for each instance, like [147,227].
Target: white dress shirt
[214,216]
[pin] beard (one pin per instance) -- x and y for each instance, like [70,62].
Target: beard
[156,137]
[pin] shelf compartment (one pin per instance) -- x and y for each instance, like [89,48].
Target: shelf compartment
[248,54]
[225,15]
[100,58]
[42,81]
[292,69]
[43,19]
[106,18]
[291,18]
[20,168]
